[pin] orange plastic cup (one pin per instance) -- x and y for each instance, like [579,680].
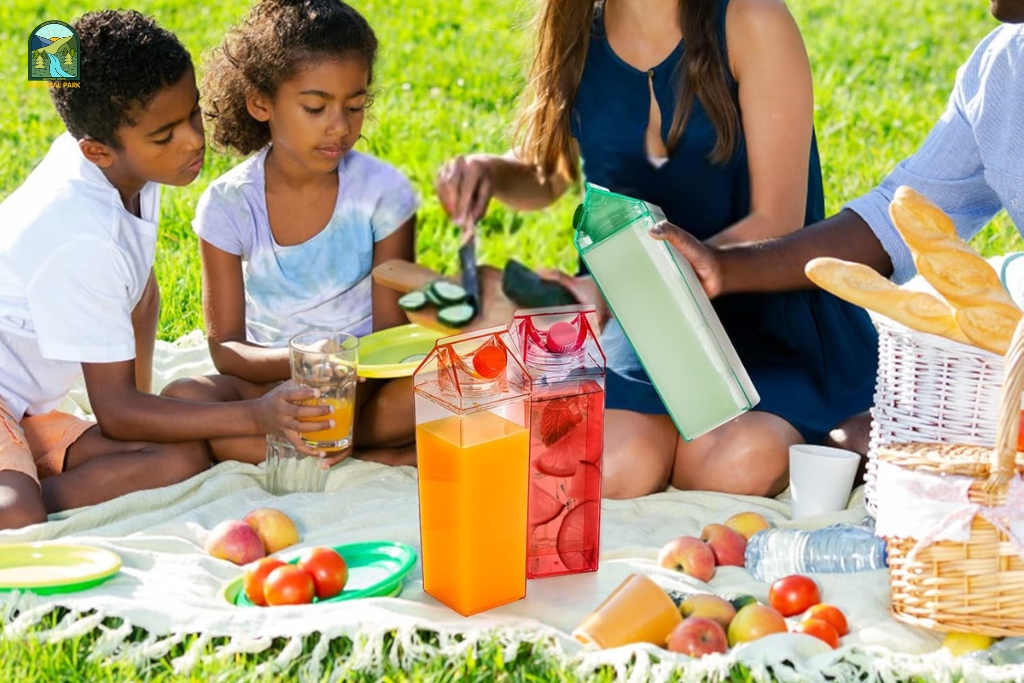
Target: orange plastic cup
[637,611]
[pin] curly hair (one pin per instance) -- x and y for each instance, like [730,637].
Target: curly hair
[126,59]
[270,46]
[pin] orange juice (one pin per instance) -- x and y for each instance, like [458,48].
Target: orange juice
[473,477]
[339,436]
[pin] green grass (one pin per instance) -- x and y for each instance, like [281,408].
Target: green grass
[448,76]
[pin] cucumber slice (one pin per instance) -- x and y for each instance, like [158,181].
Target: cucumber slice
[413,301]
[432,296]
[456,315]
[448,292]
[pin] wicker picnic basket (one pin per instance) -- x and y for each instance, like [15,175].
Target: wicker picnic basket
[929,390]
[974,585]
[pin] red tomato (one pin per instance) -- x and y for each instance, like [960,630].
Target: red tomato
[832,615]
[255,577]
[793,594]
[820,629]
[328,570]
[288,585]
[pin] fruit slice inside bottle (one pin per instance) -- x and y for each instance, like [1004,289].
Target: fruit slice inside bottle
[577,536]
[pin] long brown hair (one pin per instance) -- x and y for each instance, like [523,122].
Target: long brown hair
[562,36]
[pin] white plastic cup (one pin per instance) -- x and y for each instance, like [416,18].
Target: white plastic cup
[820,479]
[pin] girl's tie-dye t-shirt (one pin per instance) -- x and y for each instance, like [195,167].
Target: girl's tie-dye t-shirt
[323,282]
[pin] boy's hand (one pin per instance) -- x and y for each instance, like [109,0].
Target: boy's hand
[706,261]
[279,411]
[464,186]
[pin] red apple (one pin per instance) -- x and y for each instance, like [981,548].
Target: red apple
[690,555]
[235,541]
[697,636]
[727,545]
[746,524]
[755,621]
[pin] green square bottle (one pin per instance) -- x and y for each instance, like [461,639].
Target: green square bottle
[657,299]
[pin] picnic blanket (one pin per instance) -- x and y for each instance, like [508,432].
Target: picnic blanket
[169,586]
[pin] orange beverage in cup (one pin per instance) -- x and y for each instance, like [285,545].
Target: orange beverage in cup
[342,412]
[327,361]
[473,455]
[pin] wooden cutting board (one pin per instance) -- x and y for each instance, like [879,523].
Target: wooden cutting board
[403,276]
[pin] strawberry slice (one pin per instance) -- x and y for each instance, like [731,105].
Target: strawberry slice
[560,416]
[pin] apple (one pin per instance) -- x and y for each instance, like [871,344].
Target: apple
[755,621]
[697,636]
[746,524]
[727,545]
[234,541]
[275,528]
[690,555]
[718,610]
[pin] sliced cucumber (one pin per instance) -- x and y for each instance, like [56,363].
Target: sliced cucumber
[456,315]
[413,301]
[432,296]
[448,292]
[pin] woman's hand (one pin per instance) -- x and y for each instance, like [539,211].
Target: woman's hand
[465,186]
[584,289]
[287,410]
[705,261]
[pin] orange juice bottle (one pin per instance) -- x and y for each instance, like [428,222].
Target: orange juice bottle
[473,449]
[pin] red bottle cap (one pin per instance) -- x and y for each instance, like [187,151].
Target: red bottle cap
[490,361]
[562,337]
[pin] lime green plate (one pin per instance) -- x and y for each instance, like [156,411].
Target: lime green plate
[396,351]
[376,569]
[47,568]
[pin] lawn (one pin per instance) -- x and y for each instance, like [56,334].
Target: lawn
[448,75]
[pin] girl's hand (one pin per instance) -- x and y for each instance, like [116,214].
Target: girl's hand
[464,186]
[706,261]
[583,288]
[279,411]
[334,457]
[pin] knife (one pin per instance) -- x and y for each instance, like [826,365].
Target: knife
[467,263]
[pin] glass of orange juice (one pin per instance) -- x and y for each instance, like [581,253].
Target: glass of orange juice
[327,360]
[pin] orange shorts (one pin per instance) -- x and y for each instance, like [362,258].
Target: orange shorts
[38,445]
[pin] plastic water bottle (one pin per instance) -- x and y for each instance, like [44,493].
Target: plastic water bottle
[840,548]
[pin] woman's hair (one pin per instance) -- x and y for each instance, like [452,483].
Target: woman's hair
[271,45]
[563,29]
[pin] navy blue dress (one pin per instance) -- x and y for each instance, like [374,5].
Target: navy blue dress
[811,356]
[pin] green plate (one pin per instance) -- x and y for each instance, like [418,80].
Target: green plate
[396,351]
[47,568]
[376,569]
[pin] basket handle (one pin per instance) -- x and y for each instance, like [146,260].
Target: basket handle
[1004,457]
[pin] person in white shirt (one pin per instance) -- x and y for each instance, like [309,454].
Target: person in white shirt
[78,296]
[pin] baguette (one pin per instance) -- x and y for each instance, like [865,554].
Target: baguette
[865,287]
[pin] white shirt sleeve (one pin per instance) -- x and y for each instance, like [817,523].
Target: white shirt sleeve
[396,204]
[81,306]
[949,168]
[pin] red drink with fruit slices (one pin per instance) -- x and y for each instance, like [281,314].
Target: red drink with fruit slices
[560,349]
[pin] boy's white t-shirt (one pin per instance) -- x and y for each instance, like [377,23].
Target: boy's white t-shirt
[323,282]
[73,264]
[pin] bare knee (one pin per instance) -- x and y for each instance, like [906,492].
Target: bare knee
[760,469]
[638,454]
[21,502]
[188,389]
[181,461]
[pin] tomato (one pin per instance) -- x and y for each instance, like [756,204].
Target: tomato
[793,594]
[288,585]
[255,577]
[832,615]
[328,570]
[820,629]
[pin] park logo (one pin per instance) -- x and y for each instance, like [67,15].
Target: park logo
[53,54]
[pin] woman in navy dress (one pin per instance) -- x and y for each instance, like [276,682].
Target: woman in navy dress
[704,108]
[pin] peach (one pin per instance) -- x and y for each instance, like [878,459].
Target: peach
[697,637]
[276,529]
[234,541]
[690,555]
[755,621]
[727,545]
[718,610]
[746,524]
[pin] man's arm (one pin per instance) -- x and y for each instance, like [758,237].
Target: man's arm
[145,318]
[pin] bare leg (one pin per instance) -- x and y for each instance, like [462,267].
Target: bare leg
[748,455]
[402,455]
[853,435]
[223,388]
[21,502]
[98,469]
[387,414]
[638,453]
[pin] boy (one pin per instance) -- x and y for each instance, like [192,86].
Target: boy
[78,295]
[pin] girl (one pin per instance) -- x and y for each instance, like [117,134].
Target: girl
[705,108]
[289,236]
